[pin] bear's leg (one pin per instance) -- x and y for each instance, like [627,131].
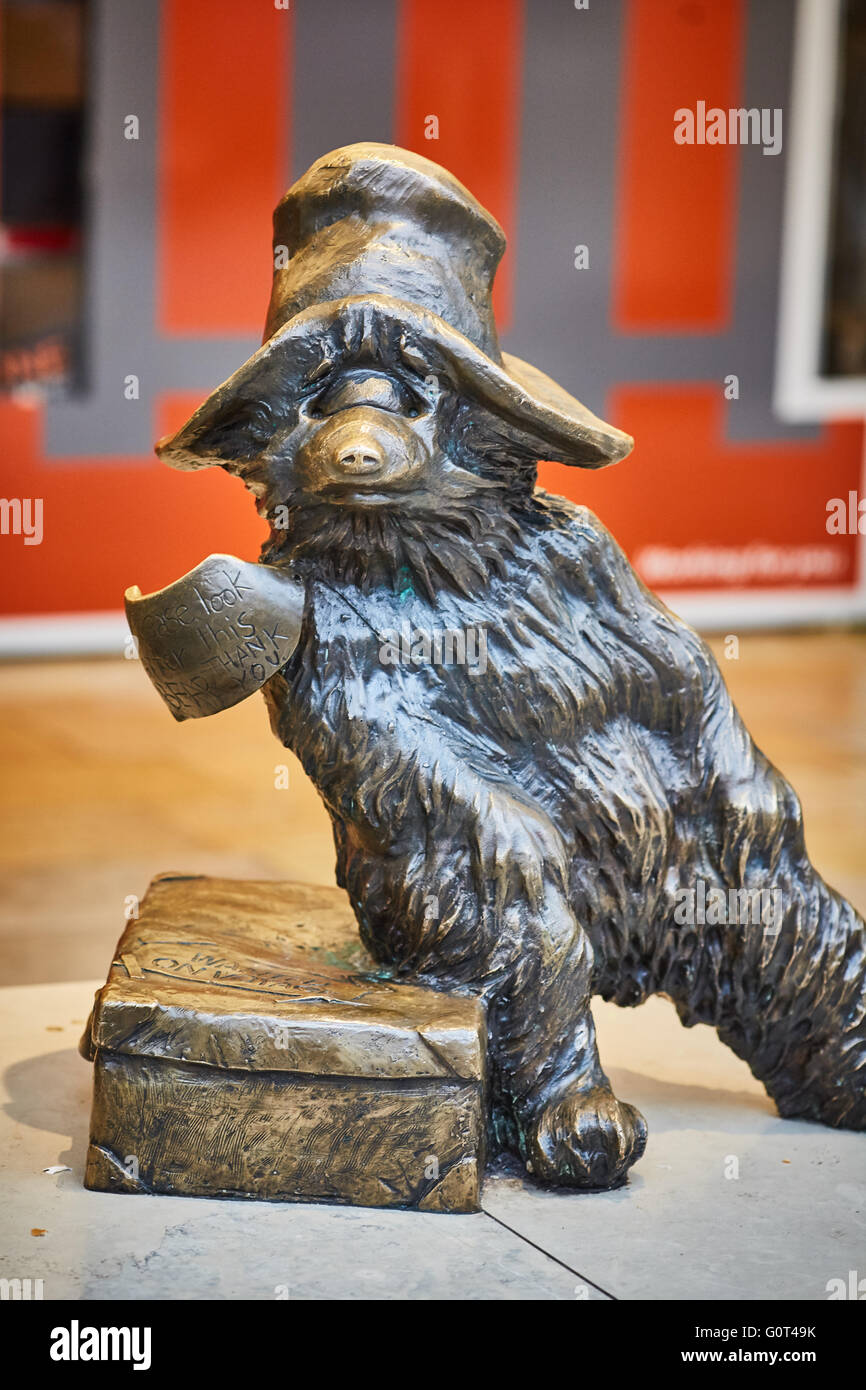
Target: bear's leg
[800,1020]
[567,1124]
[781,970]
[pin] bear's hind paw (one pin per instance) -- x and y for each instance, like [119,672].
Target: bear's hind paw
[585,1139]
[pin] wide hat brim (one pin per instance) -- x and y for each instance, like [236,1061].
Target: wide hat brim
[517,403]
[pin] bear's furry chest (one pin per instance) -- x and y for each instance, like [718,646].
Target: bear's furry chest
[508,682]
[373,675]
[489,673]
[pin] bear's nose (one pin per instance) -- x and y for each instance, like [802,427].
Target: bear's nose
[360,457]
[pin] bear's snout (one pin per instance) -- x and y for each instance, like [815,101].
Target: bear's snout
[359,448]
[361,454]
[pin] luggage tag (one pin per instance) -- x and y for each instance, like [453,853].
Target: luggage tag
[214,637]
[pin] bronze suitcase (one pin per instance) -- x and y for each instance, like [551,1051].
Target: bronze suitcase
[245,1045]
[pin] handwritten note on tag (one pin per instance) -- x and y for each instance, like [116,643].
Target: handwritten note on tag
[218,634]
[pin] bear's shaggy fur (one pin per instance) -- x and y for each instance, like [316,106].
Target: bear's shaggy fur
[527,830]
[530,826]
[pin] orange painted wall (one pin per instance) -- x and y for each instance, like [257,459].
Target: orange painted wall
[113,523]
[676,224]
[223,135]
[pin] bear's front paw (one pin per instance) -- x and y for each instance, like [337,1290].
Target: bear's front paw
[585,1139]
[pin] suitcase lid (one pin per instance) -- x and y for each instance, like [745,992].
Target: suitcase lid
[262,976]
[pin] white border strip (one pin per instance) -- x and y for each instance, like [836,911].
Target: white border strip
[738,610]
[801,393]
[64,634]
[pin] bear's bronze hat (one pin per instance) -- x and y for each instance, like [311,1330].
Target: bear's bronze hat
[382,257]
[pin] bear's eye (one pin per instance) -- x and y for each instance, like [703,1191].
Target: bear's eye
[380,391]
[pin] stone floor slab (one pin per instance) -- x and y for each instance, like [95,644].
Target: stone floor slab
[729,1201]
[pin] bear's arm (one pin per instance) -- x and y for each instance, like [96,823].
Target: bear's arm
[404,782]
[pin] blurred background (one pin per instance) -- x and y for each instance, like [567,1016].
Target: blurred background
[709,297]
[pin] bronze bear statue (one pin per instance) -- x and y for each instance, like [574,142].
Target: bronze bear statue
[531,765]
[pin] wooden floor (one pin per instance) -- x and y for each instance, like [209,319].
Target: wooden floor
[102,789]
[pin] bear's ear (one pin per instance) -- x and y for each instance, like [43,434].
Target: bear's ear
[231,432]
[237,421]
[545,422]
[533,414]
